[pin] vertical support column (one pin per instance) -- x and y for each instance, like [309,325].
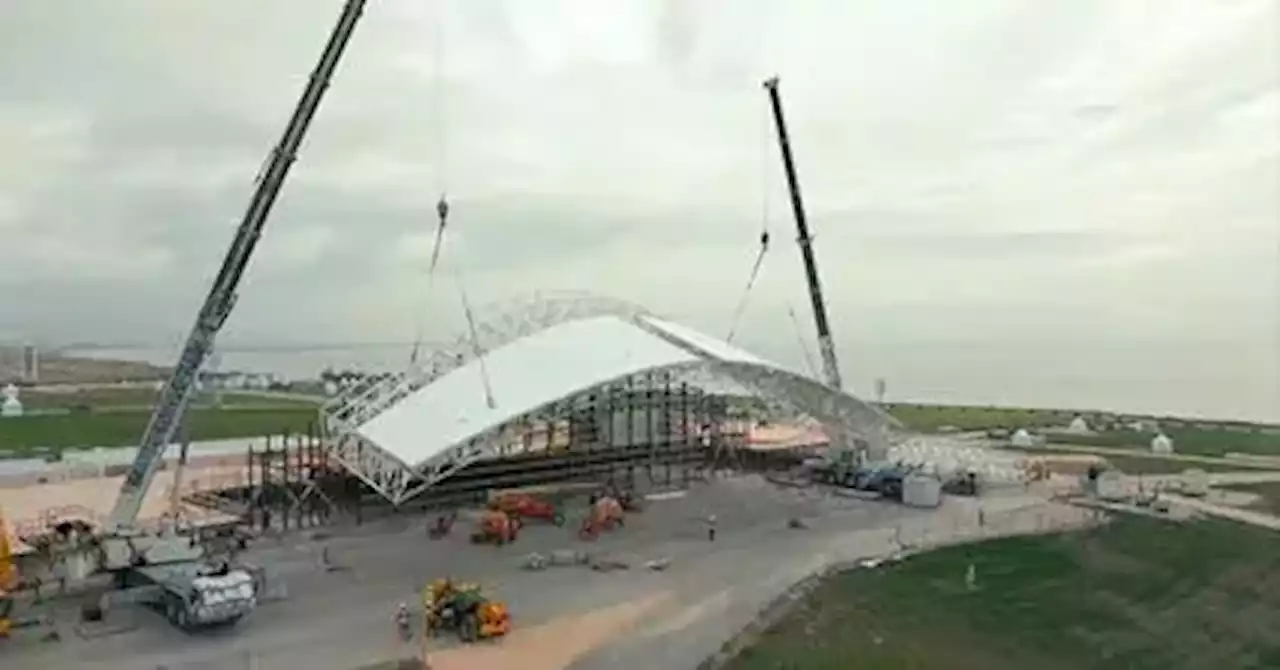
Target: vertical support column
[356,485]
[629,411]
[300,478]
[684,435]
[572,434]
[551,419]
[607,417]
[280,481]
[251,505]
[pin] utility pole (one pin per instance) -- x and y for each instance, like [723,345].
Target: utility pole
[830,368]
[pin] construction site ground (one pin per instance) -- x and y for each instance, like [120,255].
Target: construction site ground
[565,617]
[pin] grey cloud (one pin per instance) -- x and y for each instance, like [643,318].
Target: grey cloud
[1011,171]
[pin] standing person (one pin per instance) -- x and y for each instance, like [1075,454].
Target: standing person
[711,528]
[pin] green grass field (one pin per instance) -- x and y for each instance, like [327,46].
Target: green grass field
[1137,594]
[124,428]
[929,418]
[1185,440]
[136,397]
[1206,442]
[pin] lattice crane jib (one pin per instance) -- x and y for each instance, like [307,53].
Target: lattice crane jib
[826,345]
[222,295]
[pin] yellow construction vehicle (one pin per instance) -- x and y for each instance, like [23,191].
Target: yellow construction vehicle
[462,607]
[8,579]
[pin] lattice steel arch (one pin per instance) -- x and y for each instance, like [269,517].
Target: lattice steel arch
[844,416]
[497,324]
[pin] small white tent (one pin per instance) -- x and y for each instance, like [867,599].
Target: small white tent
[1161,444]
[1078,426]
[11,407]
[1022,439]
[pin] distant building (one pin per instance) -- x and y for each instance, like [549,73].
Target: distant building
[30,364]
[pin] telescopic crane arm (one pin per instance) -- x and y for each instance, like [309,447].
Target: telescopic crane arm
[222,295]
[830,368]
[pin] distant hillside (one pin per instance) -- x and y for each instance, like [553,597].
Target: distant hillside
[56,369]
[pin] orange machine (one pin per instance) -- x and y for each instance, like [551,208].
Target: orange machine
[522,506]
[605,513]
[497,527]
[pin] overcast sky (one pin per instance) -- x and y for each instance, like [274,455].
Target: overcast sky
[1068,202]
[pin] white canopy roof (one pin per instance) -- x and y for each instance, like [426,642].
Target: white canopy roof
[524,375]
[414,433]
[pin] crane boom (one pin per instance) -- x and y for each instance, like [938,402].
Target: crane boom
[219,302]
[830,368]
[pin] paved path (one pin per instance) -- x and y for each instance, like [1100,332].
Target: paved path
[1186,458]
[1251,517]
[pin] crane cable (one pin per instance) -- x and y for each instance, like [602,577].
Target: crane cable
[476,349]
[442,205]
[741,308]
[804,347]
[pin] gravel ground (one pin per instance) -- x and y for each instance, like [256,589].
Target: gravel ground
[641,619]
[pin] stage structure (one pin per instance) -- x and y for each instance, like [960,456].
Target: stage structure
[546,363]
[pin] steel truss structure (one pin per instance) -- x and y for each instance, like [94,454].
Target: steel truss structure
[844,417]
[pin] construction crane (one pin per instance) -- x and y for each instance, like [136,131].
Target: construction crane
[168,568]
[830,368]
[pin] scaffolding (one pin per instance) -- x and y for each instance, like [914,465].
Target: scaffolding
[288,483]
[646,431]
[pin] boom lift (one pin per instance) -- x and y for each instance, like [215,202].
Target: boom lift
[170,568]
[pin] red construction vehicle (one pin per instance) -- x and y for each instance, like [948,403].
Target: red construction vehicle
[521,506]
[495,527]
[628,499]
[605,513]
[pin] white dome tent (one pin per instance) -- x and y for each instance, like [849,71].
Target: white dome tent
[1078,426]
[11,407]
[1023,439]
[1161,444]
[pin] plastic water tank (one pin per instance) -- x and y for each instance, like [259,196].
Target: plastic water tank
[921,491]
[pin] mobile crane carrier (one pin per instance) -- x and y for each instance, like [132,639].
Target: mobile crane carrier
[169,568]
